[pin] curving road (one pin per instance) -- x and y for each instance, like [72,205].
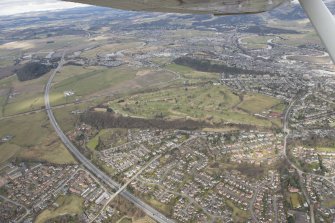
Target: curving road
[300,172]
[154,214]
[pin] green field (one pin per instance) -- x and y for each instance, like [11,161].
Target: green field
[256,103]
[34,139]
[256,42]
[211,103]
[89,82]
[298,39]
[238,214]
[295,200]
[7,151]
[330,203]
[110,48]
[116,136]
[189,73]
[29,95]
[125,220]
[6,62]
[70,204]
[325,149]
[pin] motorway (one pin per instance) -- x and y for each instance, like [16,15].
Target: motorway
[154,214]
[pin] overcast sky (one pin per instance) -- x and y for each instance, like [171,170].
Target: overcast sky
[11,7]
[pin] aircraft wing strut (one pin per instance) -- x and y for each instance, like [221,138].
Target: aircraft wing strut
[323,21]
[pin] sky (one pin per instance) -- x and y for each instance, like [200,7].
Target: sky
[12,7]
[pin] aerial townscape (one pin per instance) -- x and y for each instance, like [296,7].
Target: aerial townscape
[116,116]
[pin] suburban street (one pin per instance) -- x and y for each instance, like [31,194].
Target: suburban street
[88,164]
[17,204]
[300,172]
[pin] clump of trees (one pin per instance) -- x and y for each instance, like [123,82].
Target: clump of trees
[208,66]
[32,71]
[109,120]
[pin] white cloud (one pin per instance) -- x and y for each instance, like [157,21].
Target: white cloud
[12,7]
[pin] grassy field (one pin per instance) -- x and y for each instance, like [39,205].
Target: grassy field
[295,200]
[311,59]
[164,208]
[329,203]
[179,68]
[211,103]
[70,204]
[89,82]
[29,95]
[110,48]
[6,62]
[145,219]
[238,214]
[34,139]
[7,151]
[125,219]
[279,107]
[38,45]
[120,137]
[256,42]
[325,149]
[2,104]
[256,103]
[298,39]
[189,73]
[66,119]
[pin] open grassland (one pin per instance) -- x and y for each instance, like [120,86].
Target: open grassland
[238,214]
[311,59]
[34,139]
[256,42]
[189,73]
[84,82]
[329,203]
[256,103]
[3,99]
[279,107]
[27,95]
[70,204]
[7,61]
[214,104]
[89,82]
[40,45]
[298,39]
[325,149]
[7,151]
[110,48]
[295,200]
[102,82]
[66,119]
[117,137]
[164,208]
[125,219]
[145,219]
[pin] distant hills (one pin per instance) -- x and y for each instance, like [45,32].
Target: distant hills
[294,11]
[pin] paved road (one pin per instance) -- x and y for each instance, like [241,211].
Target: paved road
[125,185]
[90,166]
[251,204]
[300,172]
